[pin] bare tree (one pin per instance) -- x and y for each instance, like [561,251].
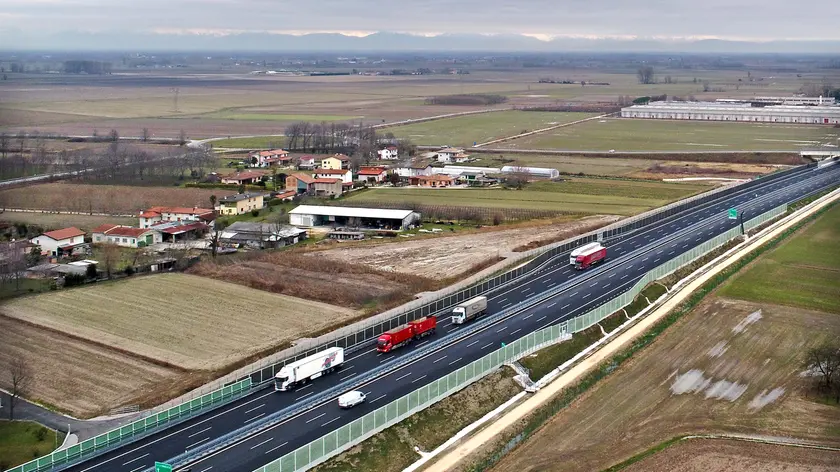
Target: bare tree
[20,382]
[406,148]
[4,144]
[145,134]
[825,361]
[182,138]
[645,75]
[518,178]
[113,136]
[216,235]
[21,139]
[110,257]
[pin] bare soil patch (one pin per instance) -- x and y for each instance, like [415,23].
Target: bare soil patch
[178,320]
[82,378]
[720,455]
[116,199]
[445,256]
[710,373]
[677,169]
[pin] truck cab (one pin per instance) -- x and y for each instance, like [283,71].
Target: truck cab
[282,381]
[459,315]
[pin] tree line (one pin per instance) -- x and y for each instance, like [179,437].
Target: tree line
[360,142]
[467,99]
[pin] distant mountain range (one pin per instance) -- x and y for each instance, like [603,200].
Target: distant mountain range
[386,42]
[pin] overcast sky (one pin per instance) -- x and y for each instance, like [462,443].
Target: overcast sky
[731,19]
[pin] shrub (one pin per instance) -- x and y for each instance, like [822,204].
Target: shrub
[41,434]
[72,280]
[255,212]
[129,270]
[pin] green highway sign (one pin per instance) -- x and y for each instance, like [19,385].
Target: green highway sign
[162,467]
[733,214]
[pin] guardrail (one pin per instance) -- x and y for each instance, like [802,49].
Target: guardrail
[137,429]
[241,386]
[353,433]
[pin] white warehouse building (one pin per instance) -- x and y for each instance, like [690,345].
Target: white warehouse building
[711,111]
[339,216]
[544,172]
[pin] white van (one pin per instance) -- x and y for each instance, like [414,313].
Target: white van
[351,399]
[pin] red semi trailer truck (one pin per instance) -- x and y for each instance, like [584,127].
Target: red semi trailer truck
[590,256]
[404,334]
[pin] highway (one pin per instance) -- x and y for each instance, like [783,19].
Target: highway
[688,229]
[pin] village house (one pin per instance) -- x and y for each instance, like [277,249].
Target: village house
[413,171]
[125,236]
[450,155]
[268,158]
[62,242]
[160,214]
[300,183]
[306,162]
[373,175]
[327,187]
[434,181]
[345,175]
[336,161]
[285,195]
[390,153]
[240,203]
[249,177]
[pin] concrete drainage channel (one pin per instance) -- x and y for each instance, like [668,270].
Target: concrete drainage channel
[572,370]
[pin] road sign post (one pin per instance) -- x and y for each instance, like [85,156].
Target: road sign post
[162,467]
[733,214]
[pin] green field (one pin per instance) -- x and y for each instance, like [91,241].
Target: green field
[226,115]
[586,196]
[664,135]
[258,142]
[465,130]
[569,164]
[20,442]
[804,271]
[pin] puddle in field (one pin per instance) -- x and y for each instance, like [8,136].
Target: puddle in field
[718,349]
[765,398]
[750,319]
[694,381]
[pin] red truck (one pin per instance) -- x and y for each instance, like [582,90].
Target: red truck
[404,334]
[590,257]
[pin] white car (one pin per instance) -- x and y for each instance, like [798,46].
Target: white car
[351,399]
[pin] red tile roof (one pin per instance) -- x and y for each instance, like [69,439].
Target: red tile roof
[183,228]
[371,170]
[340,157]
[252,174]
[331,171]
[307,179]
[65,233]
[327,181]
[103,228]
[149,214]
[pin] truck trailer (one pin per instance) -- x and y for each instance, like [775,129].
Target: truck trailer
[308,368]
[590,257]
[404,334]
[469,310]
[585,248]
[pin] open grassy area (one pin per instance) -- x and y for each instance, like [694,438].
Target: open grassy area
[392,450]
[50,221]
[465,130]
[809,265]
[664,135]
[22,441]
[258,142]
[586,196]
[569,164]
[149,315]
[227,115]
[12,288]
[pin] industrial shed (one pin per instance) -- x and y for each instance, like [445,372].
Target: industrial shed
[543,172]
[350,217]
[712,111]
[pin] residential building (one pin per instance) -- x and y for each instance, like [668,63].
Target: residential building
[268,158]
[248,177]
[240,203]
[450,155]
[175,231]
[341,217]
[285,195]
[373,175]
[159,214]
[62,242]
[300,183]
[327,187]
[125,236]
[306,162]
[346,175]
[336,161]
[413,171]
[260,235]
[390,153]
[434,181]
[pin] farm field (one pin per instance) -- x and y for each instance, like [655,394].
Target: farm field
[664,135]
[445,256]
[255,142]
[50,221]
[809,263]
[723,455]
[112,199]
[181,320]
[712,372]
[465,130]
[584,196]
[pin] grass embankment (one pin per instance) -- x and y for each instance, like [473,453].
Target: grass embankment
[578,195]
[664,135]
[544,361]
[479,128]
[809,265]
[22,441]
[392,450]
[516,435]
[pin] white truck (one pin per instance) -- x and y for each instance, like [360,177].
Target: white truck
[585,249]
[469,310]
[308,368]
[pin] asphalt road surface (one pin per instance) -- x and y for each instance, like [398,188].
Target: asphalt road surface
[705,221]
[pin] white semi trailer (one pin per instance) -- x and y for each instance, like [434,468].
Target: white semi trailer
[469,310]
[585,249]
[308,368]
